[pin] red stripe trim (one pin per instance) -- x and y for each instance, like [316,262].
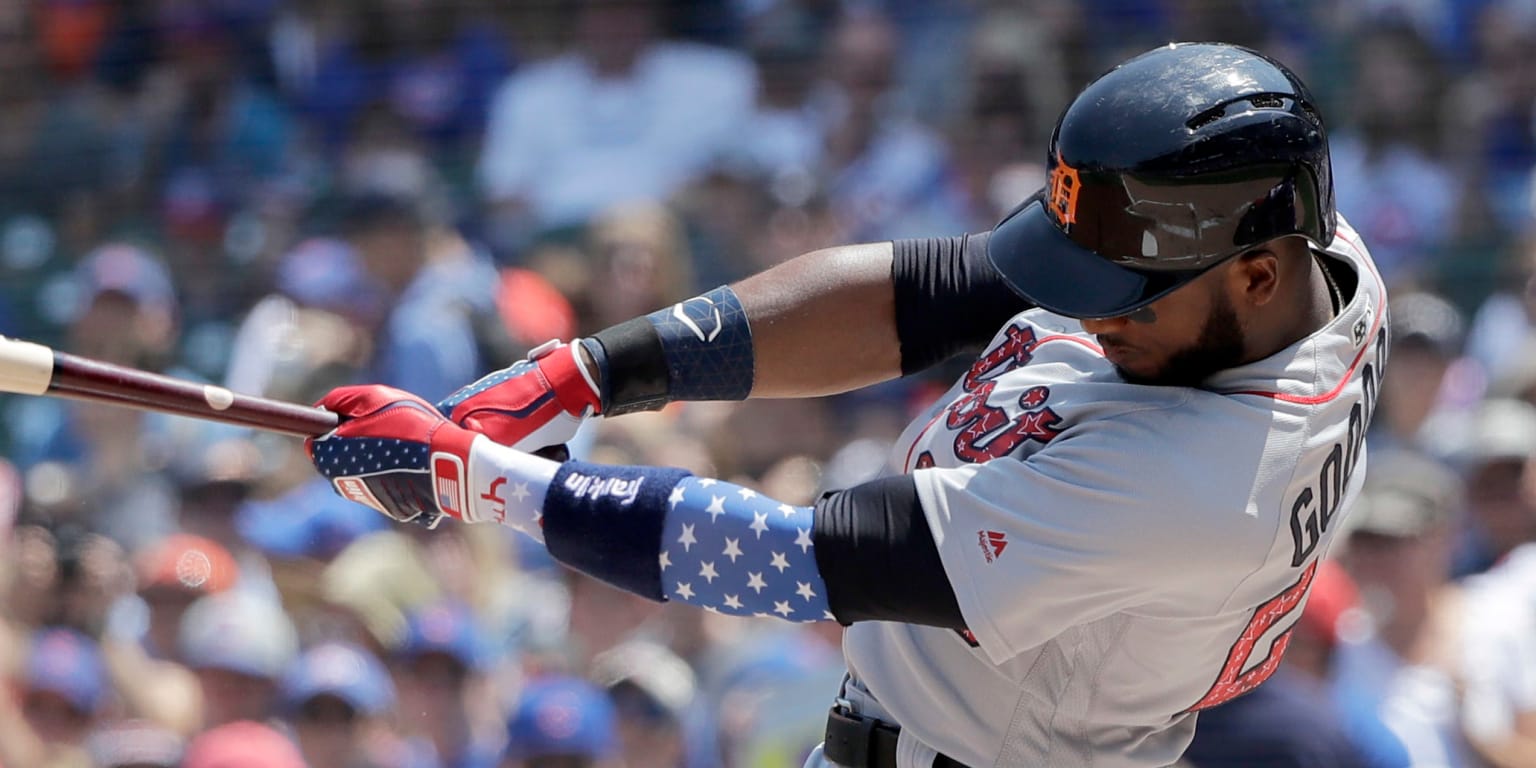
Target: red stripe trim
[908,461]
[1343,381]
[1075,340]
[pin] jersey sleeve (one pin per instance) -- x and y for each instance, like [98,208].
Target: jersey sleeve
[1103,521]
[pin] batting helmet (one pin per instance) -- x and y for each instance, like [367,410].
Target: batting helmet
[1162,168]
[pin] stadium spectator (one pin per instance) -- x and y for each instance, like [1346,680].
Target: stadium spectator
[238,644]
[562,722]
[337,697]
[620,97]
[437,671]
[1398,550]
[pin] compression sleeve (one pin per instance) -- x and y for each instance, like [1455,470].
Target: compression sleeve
[876,552]
[949,298]
[863,554]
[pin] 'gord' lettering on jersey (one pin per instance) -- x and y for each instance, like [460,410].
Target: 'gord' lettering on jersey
[1313,508]
[986,431]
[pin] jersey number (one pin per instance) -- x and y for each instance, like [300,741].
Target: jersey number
[1233,680]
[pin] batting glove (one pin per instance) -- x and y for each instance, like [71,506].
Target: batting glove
[395,452]
[535,403]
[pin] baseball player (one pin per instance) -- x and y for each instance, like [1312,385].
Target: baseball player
[1108,524]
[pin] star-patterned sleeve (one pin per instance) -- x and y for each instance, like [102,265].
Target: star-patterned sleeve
[731,550]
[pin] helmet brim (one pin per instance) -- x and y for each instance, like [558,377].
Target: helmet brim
[1043,265]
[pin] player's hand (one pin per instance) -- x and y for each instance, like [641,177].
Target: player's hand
[535,403]
[395,452]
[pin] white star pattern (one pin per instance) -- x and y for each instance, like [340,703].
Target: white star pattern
[754,554]
[666,560]
[340,457]
[759,523]
[779,562]
[520,491]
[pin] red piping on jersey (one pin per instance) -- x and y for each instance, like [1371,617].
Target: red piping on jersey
[1344,380]
[1096,349]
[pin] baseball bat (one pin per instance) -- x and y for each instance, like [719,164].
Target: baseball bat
[28,368]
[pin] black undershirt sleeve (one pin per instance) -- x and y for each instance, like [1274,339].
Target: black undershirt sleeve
[949,298]
[878,559]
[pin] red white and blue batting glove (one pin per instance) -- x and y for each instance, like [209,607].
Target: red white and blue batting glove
[535,403]
[394,452]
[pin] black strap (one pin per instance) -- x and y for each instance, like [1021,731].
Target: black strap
[864,742]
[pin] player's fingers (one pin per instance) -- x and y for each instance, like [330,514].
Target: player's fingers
[359,400]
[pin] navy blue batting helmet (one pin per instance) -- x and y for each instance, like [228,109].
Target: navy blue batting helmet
[1162,168]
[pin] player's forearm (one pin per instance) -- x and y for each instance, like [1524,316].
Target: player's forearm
[821,323]
[864,554]
[659,533]
[824,322]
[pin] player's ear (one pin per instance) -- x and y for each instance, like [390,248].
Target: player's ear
[1255,275]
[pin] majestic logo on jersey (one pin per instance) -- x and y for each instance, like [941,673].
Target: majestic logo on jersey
[992,544]
[1061,193]
[986,431]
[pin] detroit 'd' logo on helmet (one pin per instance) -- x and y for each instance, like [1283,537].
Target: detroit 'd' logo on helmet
[1062,193]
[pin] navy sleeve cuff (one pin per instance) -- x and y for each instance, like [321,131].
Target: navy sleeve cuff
[607,522]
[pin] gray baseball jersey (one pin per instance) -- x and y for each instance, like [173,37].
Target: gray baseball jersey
[1123,555]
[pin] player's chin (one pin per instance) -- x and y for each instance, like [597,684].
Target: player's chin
[1133,376]
[1138,370]
[1132,366]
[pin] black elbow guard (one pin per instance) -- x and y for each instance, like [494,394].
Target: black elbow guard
[878,559]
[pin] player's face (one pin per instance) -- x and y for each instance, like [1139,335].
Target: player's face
[1178,340]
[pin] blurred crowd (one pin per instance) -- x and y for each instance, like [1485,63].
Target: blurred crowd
[284,196]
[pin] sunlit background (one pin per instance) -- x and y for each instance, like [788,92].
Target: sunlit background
[286,195]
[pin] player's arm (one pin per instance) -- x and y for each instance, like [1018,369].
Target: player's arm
[824,322]
[862,554]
